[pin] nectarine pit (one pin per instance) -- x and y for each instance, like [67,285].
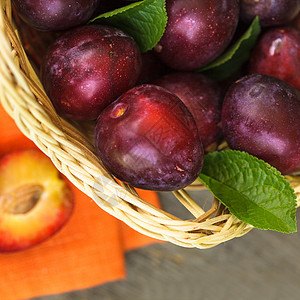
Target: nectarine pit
[21,199]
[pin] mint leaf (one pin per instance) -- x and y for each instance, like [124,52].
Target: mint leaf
[253,191]
[145,21]
[230,62]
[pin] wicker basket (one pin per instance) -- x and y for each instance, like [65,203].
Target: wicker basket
[72,152]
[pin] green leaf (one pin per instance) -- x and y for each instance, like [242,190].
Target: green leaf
[145,21]
[253,191]
[230,62]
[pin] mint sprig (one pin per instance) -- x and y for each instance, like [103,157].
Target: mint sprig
[230,62]
[145,21]
[253,191]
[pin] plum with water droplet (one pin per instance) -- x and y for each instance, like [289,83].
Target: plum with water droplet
[89,67]
[197,32]
[148,138]
[54,15]
[277,53]
[260,115]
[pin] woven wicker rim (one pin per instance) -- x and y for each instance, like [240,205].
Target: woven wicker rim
[23,97]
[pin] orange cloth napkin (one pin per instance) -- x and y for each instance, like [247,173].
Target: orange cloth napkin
[87,251]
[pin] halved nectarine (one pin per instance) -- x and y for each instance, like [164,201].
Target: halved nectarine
[35,200]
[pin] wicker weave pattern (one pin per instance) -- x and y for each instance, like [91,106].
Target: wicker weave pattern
[23,97]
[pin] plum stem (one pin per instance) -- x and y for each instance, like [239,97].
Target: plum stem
[22,199]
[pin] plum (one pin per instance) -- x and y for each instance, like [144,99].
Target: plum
[109,5]
[148,138]
[270,12]
[89,67]
[277,53]
[152,68]
[55,15]
[260,115]
[295,23]
[203,98]
[197,32]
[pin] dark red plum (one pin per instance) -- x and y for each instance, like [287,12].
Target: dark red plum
[260,115]
[295,23]
[203,98]
[109,5]
[55,15]
[270,12]
[89,67]
[152,68]
[197,32]
[149,139]
[277,53]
